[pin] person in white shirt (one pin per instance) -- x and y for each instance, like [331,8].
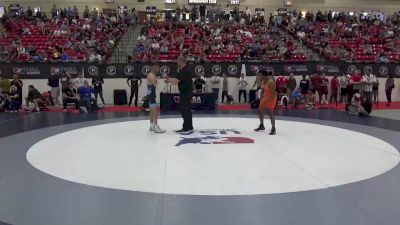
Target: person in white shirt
[368,80]
[86,26]
[141,38]
[248,12]
[94,57]
[155,46]
[215,84]
[242,84]
[79,81]
[343,82]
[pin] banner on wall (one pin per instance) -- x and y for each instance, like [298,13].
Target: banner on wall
[124,70]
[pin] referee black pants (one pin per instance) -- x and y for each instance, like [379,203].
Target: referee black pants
[186,112]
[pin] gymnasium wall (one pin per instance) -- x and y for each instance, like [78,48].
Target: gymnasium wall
[269,5]
[111,84]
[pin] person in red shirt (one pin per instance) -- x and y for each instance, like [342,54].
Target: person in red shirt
[353,86]
[334,88]
[281,83]
[316,81]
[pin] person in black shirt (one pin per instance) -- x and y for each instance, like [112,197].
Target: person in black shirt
[185,85]
[65,79]
[70,96]
[54,83]
[199,83]
[13,99]
[304,85]
[134,82]
[97,83]
[18,84]
[202,10]
[34,97]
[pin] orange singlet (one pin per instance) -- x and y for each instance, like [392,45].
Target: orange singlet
[269,97]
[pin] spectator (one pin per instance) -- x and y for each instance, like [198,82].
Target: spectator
[86,12]
[94,56]
[304,85]
[316,83]
[242,84]
[334,89]
[281,84]
[367,85]
[4,85]
[225,87]
[383,58]
[70,96]
[79,81]
[65,57]
[85,94]
[296,97]
[18,84]
[141,38]
[324,89]
[354,84]
[215,85]
[54,83]
[375,90]
[310,99]
[199,83]
[97,83]
[65,79]
[29,12]
[292,83]
[14,99]
[34,97]
[344,82]
[389,85]
[356,106]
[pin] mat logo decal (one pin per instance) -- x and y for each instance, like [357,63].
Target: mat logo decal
[215,136]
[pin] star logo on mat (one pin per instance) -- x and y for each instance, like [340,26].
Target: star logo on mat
[214,137]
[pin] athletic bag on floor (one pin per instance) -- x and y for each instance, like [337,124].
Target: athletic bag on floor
[120,97]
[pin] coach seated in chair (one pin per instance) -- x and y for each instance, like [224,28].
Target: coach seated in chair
[34,97]
[70,97]
[86,100]
[359,106]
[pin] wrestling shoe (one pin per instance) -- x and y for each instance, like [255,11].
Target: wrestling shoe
[152,127]
[260,128]
[187,132]
[158,130]
[273,131]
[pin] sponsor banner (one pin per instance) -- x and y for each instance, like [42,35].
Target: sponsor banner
[123,70]
[171,101]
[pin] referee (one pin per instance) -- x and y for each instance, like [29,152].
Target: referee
[184,81]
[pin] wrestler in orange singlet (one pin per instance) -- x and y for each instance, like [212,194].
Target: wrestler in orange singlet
[268,101]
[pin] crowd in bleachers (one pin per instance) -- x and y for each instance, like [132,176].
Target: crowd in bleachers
[227,36]
[64,37]
[216,42]
[360,37]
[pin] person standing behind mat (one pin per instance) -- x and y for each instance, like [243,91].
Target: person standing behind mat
[97,83]
[215,85]
[134,82]
[184,81]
